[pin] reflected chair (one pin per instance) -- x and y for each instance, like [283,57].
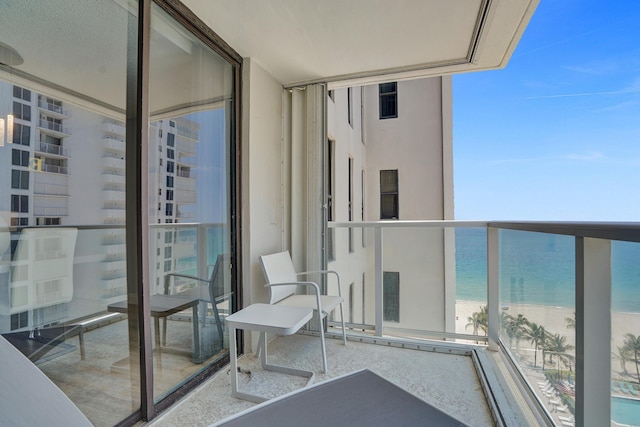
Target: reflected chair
[283,283]
[213,292]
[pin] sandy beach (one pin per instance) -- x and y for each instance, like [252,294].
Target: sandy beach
[553,320]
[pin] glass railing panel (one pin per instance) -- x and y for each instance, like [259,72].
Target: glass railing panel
[625,333]
[471,281]
[537,313]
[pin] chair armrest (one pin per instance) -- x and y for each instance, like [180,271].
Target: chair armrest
[312,284]
[306,273]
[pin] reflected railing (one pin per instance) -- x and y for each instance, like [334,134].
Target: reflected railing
[561,300]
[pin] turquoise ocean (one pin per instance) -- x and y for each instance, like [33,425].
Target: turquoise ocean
[539,268]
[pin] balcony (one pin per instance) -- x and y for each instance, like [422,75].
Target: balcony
[56,150]
[549,308]
[52,109]
[114,144]
[55,129]
[114,163]
[114,128]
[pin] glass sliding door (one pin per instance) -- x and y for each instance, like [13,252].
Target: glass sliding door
[63,68]
[190,130]
[69,123]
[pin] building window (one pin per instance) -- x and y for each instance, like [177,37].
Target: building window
[170,166]
[389,194]
[170,153]
[21,111]
[21,93]
[168,210]
[172,123]
[19,320]
[167,252]
[19,222]
[19,157]
[19,203]
[170,181]
[19,179]
[331,95]
[21,134]
[391,297]
[47,221]
[171,138]
[388,100]
[168,237]
[169,194]
[167,266]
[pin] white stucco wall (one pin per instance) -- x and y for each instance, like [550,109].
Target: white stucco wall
[262,214]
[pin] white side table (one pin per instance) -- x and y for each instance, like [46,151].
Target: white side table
[265,318]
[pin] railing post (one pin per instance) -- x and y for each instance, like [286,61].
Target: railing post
[493,288]
[593,349]
[379,280]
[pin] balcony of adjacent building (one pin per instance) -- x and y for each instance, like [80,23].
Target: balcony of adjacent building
[52,149]
[52,108]
[114,144]
[114,128]
[53,127]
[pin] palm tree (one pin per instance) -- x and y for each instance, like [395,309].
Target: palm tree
[571,321]
[623,354]
[515,327]
[537,335]
[556,344]
[632,345]
[478,321]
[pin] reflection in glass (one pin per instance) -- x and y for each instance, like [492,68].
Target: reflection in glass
[625,332]
[189,140]
[62,180]
[537,301]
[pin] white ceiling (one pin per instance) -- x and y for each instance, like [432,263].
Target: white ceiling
[70,45]
[300,41]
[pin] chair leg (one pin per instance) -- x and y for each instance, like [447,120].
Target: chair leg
[344,330]
[324,349]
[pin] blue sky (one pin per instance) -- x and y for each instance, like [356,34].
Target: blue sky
[556,134]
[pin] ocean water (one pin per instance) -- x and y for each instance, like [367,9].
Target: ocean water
[539,268]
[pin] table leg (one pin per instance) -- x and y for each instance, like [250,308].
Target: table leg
[233,353]
[197,356]
[156,333]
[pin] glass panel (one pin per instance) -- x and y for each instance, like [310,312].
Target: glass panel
[191,89]
[537,301]
[59,275]
[625,334]
[471,281]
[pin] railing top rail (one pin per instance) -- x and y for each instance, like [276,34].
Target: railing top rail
[624,231]
[406,223]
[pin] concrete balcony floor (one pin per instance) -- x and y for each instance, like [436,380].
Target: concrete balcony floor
[447,381]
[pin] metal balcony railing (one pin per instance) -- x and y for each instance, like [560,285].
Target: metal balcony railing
[560,300]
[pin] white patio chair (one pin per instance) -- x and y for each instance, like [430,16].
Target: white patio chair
[283,282]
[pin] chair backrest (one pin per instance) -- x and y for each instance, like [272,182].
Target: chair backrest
[217,278]
[278,268]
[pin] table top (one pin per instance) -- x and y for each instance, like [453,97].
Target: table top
[161,305]
[269,318]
